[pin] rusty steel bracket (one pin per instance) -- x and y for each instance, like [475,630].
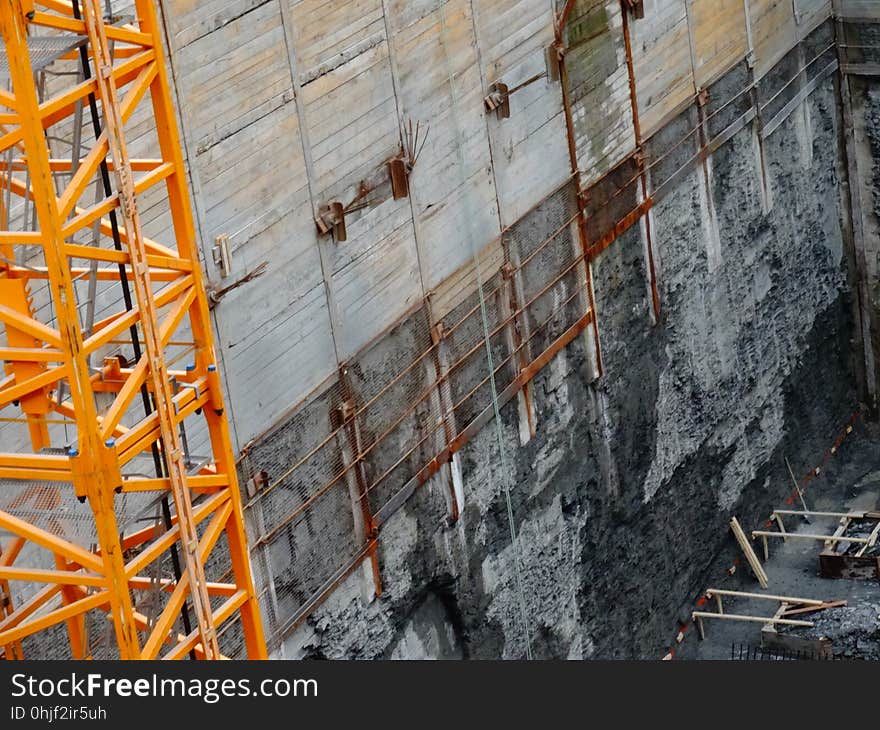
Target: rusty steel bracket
[257,483]
[398,173]
[552,56]
[346,410]
[498,100]
[561,18]
[331,219]
[359,486]
[636,7]
[507,271]
[216,293]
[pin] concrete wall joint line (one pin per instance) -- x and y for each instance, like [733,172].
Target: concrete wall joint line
[525,396]
[198,209]
[326,267]
[653,291]
[856,215]
[594,347]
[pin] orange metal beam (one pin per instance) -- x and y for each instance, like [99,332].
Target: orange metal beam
[154,550]
[172,607]
[31,606]
[77,608]
[228,608]
[61,352]
[62,577]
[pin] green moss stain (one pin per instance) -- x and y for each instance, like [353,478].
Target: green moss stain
[591,59]
[588,20]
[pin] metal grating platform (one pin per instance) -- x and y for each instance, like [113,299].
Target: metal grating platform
[44,51]
[53,506]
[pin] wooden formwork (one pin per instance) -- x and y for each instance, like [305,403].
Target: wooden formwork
[842,555]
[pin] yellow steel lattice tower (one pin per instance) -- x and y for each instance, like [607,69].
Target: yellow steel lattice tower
[104,512]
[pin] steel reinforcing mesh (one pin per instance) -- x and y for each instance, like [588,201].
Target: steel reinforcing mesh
[314,482]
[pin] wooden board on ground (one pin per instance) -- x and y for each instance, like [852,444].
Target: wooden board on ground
[751,557]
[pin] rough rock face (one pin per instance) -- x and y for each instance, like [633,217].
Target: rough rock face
[872,129]
[870,100]
[854,631]
[623,497]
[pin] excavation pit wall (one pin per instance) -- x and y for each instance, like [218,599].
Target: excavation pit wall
[622,497]
[863,51]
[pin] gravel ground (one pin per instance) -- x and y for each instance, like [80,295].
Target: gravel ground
[851,481]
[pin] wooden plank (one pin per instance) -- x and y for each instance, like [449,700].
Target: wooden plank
[754,619]
[718,29]
[763,596]
[813,609]
[662,63]
[872,540]
[599,87]
[438,78]
[811,513]
[774,32]
[749,552]
[529,149]
[809,536]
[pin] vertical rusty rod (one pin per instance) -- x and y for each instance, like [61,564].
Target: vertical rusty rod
[576,174]
[640,158]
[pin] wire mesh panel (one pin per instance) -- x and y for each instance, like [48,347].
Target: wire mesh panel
[50,644]
[55,508]
[550,265]
[321,484]
[54,643]
[100,634]
[728,101]
[780,86]
[302,509]
[672,149]
[50,507]
[391,386]
[469,372]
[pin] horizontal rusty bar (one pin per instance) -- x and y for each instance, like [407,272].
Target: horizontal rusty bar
[325,590]
[798,99]
[485,416]
[621,227]
[732,130]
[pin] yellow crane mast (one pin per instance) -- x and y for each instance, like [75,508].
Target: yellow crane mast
[77,540]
